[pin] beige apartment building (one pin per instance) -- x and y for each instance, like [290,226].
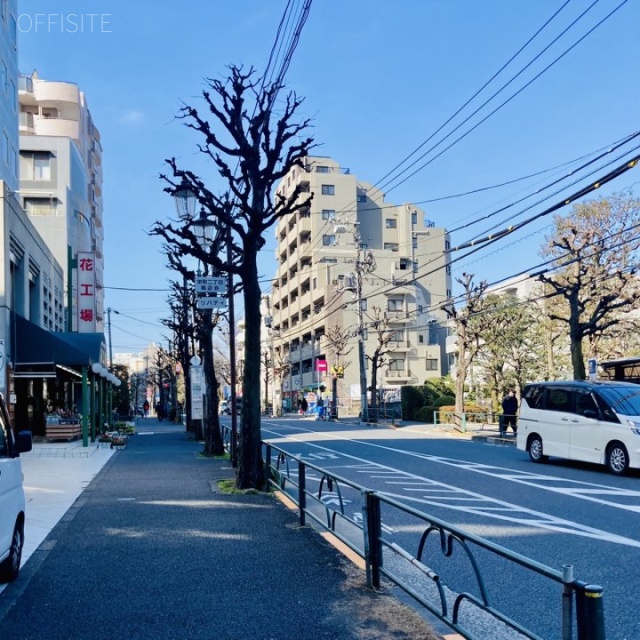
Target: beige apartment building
[61,178]
[316,290]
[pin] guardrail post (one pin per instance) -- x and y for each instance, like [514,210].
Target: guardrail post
[567,602]
[373,546]
[302,491]
[590,610]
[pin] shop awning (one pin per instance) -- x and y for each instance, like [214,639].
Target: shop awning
[38,353]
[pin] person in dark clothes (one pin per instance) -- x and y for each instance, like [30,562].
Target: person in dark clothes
[509,412]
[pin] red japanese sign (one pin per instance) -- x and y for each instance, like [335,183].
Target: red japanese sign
[321,366]
[86,293]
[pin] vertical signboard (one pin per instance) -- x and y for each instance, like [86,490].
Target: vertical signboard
[86,292]
[197,390]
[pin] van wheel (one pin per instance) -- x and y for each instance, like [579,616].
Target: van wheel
[535,449]
[10,568]
[617,458]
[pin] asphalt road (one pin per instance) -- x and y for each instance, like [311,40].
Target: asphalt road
[151,550]
[560,513]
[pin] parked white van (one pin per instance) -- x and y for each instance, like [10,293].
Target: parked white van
[12,501]
[582,420]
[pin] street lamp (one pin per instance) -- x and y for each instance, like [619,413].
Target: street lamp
[206,230]
[186,201]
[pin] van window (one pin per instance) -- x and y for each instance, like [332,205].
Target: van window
[624,399]
[586,405]
[559,399]
[534,395]
[4,444]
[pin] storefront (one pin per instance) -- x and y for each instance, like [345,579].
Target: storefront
[51,379]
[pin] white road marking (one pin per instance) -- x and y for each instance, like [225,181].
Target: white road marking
[491,507]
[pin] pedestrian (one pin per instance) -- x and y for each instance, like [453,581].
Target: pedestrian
[509,413]
[145,407]
[304,405]
[320,406]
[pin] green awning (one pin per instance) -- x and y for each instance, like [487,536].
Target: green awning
[39,353]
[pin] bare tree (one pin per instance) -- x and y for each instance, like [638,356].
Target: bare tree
[252,155]
[469,324]
[338,339]
[384,336]
[595,249]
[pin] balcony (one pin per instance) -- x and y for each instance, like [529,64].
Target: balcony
[59,127]
[394,376]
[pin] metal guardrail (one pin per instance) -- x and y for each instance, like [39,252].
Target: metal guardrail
[461,421]
[467,611]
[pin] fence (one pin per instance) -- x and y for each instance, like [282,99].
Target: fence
[467,421]
[465,557]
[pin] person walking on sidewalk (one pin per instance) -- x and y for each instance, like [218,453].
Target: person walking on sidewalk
[509,413]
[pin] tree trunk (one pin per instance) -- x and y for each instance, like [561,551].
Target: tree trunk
[461,369]
[374,381]
[250,468]
[213,444]
[577,357]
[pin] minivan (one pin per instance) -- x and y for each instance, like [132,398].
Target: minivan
[12,500]
[582,420]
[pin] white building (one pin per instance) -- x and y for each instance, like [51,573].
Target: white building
[61,180]
[314,287]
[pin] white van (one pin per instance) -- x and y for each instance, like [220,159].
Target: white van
[582,420]
[12,501]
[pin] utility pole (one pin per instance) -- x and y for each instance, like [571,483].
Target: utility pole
[232,357]
[109,310]
[365,264]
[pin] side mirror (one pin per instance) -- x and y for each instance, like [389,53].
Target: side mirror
[24,441]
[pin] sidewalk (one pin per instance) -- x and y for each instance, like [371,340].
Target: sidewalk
[268,577]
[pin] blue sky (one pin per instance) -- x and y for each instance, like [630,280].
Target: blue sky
[378,78]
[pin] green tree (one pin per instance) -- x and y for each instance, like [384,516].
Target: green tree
[594,250]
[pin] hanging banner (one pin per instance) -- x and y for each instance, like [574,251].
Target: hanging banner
[197,390]
[86,292]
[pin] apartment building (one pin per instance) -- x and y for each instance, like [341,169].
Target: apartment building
[61,184]
[315,287]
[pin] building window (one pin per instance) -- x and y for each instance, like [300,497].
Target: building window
[447,245]
[390,223]
[414,218]
[328,190]
[315,283]
[328,240]
[330,260]
[432,364]
[328,214]
[322,169]
[396,364]
[397,336]
[414,242]
[361,198]
[420,339]
[394,304]
[448,269]
[40,206]
[448,293]
[404,264]
[390,246]
[35,165]
[363,304]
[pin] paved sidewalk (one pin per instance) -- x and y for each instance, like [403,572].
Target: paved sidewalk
[229,567]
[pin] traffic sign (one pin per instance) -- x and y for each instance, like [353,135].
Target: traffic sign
[210,284]
[211,303]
